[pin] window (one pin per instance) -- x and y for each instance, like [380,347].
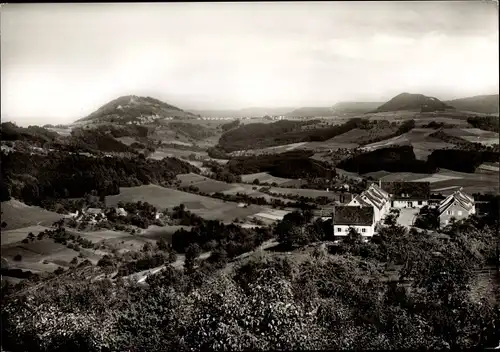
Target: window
[419,202]
[339,229]
[363,230]
[449,212]
[459,212]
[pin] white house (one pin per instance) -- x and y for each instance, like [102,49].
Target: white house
[360,218]
[121,212]
[458,205]
[408,194]
[374,197]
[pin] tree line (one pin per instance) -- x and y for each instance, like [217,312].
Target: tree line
[34,178]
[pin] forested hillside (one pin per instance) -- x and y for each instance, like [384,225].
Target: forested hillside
[34,178]
[402,159]
[294,164]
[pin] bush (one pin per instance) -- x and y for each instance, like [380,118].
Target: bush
[59,271]
[106,261]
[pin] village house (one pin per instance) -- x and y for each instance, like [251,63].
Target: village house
[374,197]
[72,215]
[407,194]
[458,205]
[91,214]
[360,218]
[121,212]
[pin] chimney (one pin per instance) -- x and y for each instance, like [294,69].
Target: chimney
[380,183]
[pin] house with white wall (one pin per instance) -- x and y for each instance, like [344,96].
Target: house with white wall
[407,194]
[458,205]
[374,197]
[360,218]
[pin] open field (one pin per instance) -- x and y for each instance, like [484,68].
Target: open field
[303,192]
[273,214]
[101,235]
[270,150]
[458,132]
[17,235]
[177,153]
[438,178]
[480,132]
[126,140]
[359,136]
[476,183]
[18,215]
[265,177]
[396,176]
[36,252]
[128,243]
[414,137]
[419,138]
[474,135]
[206,207]
[211,186]
[329,144]
[204,184]
[446,181]
[419,121]
[489,167]
[60,131]
[253,191]
[347,174]
[482,139]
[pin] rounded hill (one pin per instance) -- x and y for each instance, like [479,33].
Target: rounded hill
[132,108]
[417,102]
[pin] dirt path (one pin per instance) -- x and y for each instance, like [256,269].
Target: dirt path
[141,277]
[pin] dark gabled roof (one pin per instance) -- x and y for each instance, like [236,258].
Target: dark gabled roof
[408,190]
[458,197]
[373,196]
[351,215]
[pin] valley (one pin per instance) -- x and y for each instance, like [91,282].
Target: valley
[129,198]
[250,176]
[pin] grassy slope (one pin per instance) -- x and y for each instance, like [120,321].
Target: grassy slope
[18,215]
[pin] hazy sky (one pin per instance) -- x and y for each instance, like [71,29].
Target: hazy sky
[60,62]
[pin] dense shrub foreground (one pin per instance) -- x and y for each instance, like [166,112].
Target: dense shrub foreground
[323,302]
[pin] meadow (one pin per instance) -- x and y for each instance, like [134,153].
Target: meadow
[265,177]
[446,181]
[19,215]
[35,255]
[162,198]
[17,235]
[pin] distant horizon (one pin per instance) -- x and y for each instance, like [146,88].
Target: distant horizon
[13,119]
[67,60]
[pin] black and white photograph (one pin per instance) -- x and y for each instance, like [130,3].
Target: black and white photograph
[250,176]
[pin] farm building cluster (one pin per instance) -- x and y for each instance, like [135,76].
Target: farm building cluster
[367,209]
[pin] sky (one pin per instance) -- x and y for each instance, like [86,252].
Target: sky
[60,62]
